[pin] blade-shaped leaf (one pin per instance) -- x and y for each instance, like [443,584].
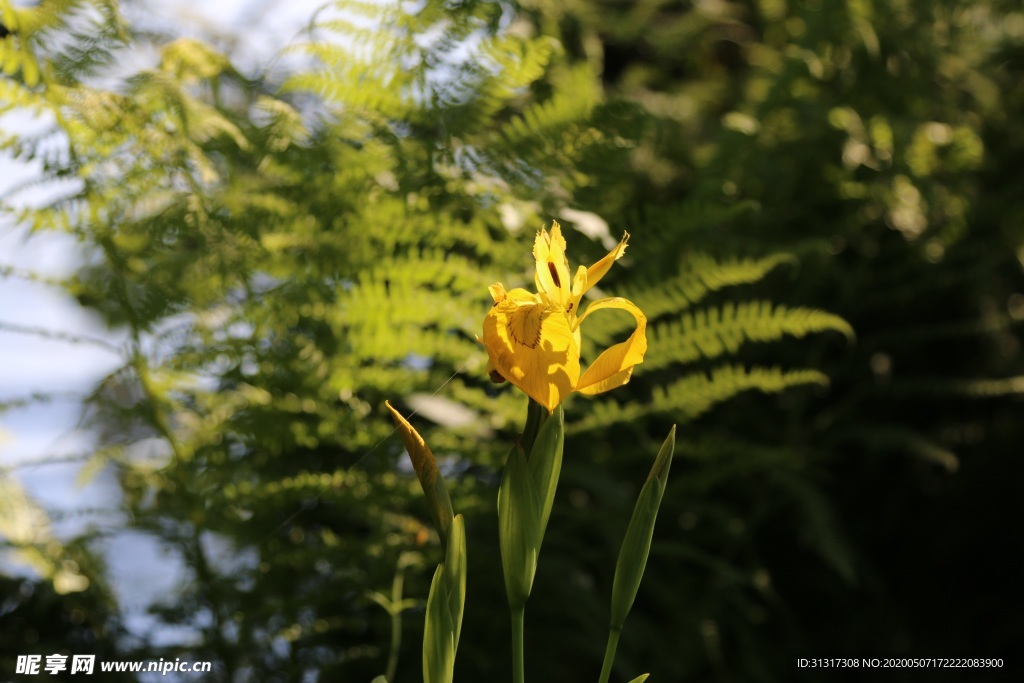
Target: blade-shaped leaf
[438,640]
[455,576]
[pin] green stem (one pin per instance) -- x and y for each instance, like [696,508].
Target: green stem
[536,414]
[518,619]
[609,655]
[396,622]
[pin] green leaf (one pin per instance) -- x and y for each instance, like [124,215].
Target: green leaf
[640,679]
[695,393]
[438,639]
[444,609]
[455,576]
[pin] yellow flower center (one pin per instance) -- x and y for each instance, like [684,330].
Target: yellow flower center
[524,324]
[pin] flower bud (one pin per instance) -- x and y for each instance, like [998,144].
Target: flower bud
[426,471]
[637,544]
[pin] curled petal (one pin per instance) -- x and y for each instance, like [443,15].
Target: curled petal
[529,343]
[615,364]
[608,383]
[598,270]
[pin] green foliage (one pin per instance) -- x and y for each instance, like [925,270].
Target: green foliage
[700,275]
[679,338]
[282,257]
[712,332]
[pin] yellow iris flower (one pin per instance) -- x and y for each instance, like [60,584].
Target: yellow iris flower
[533,340]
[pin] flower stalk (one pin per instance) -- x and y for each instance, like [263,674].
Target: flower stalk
[518,646]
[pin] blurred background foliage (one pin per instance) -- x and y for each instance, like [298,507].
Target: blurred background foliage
[827,237]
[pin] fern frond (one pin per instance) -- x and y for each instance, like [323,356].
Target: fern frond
[481,88]
[356,89]
[549,119]
[876,437]
[62,40]
[701,275]
[192,60]
[285,125]
[698,392]
[710,333]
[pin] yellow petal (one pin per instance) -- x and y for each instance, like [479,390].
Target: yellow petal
[552,264]
[579,285]
[615,365]
[530,344]
[598,270]
[514,294]
[608,383]
[497,291]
